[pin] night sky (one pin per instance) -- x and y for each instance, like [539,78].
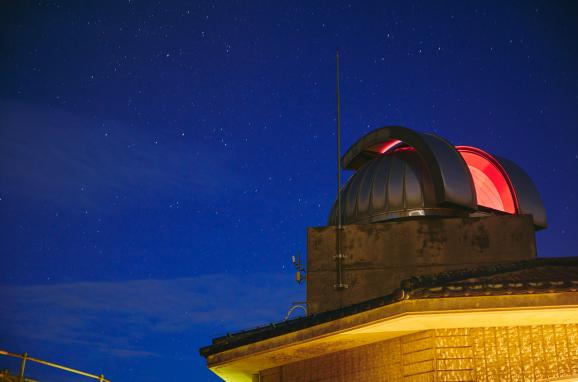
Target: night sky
[160,161]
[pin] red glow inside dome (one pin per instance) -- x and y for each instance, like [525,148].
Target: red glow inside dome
[493,188]
[386,146]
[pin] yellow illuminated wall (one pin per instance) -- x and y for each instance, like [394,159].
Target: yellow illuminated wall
[519,353]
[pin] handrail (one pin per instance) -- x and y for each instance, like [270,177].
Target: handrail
[24,357]
[296,305]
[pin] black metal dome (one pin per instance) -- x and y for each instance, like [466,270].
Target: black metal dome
[401,173]
[388,187]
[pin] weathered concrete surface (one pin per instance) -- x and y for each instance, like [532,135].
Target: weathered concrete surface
[380,255]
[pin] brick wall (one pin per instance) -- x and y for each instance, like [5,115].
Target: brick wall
[522,353]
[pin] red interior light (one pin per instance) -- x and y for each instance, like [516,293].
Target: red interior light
[386,146]
[493,187]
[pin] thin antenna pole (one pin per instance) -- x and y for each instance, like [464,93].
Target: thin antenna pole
[338,127]
[339,256]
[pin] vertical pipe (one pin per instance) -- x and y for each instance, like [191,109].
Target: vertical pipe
[338,127]
[22,367]
[339,256]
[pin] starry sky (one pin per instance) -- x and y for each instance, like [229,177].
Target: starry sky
[160,161]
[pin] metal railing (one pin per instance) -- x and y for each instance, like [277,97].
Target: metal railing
[25,358]
[296,305]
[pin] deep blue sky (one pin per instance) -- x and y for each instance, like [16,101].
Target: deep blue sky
[159,162]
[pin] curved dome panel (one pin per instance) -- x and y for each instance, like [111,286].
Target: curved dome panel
[450,176]
[527,195]
[493,187]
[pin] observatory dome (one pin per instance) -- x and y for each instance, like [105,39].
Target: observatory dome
[400,173]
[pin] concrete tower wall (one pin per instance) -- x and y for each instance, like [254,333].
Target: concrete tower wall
[380,255]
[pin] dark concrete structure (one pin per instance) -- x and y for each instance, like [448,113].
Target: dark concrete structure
[380,255]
